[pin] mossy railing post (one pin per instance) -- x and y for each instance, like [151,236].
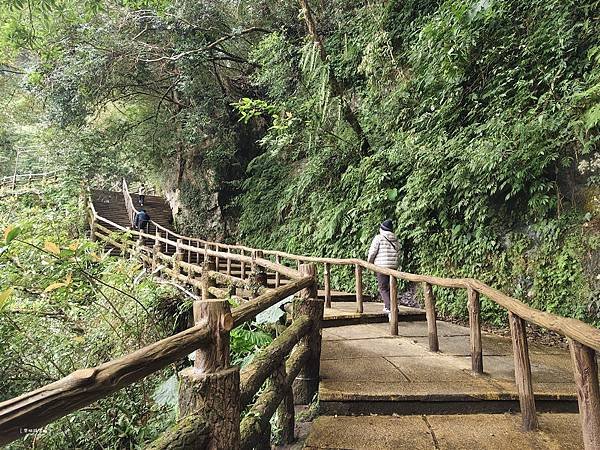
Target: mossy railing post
[177,258]
[189,252]
[155,251]
[229,261]
[327,284]
[93,223]
[205,255]
[277,275]
[286,414]
[358,271]
[523,372]
[131,246]
[475,326]
[139,245]
[253,266]
[434,344]
[217,259]
[258,277]
[211,389]
[242,266]
[306,383]
[393,306]
[585,368]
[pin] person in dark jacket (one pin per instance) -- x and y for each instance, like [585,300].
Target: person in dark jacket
[141,220]
[142,194]
[384,252]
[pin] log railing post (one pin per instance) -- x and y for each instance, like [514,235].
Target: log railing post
[285,411]
[189,252]
[306,383]
[277,275]
[327,284]
[259,277]
[131,245]
[253,266]
[393,306]
[155,251]
[229,261]
[585,368]
[523,372]
[93,228]
[177,258]
[139,244]
[217,259]
[430,314]
[359,288]
[475,326]
[211,389]
[243,266]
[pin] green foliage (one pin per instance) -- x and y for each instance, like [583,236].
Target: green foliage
[477,114]
[245,340]
[66,304]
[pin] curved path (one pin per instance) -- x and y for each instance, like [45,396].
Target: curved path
[426,369]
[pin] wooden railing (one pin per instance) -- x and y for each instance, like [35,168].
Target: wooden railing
[584,340]
[198,263]
[16,179]
[212,392]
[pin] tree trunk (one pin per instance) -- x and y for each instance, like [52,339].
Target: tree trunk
[336,87]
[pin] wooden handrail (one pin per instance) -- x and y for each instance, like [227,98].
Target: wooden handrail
[570,328]
[48,403]
[29,176]
[579,333]
[82,387]
[267,360]
[254,424]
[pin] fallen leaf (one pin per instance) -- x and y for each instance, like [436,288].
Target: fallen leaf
[54,286]
[5,296]
[52,247]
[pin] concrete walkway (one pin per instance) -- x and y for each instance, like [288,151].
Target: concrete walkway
[365,370]
[344,313]
[449,432]
[384,392]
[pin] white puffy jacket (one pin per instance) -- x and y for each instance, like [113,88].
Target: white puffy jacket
[384,250]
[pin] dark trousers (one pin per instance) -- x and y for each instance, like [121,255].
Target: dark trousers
[141,225]
[142,198]
[383,283]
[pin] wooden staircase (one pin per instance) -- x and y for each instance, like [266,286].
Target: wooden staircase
[111,205]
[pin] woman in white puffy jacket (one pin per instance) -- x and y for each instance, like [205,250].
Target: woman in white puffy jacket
[384,252]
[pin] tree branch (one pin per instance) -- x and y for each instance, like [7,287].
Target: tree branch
[209,46]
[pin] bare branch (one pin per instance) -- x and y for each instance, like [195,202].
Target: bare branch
[209,46]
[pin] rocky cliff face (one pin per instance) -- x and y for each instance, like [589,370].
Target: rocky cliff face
[202,193]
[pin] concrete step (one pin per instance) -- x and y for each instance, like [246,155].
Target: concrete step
[344,313]
[365,370]
[444,432]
